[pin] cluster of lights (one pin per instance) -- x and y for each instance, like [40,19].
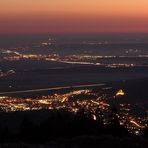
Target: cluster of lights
[94,103]
[71,59]
[7,73]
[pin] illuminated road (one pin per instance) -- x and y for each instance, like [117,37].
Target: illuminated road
[50,89]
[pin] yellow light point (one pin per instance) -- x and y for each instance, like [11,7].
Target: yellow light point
[120,93]
[94,117]
[3,97]
[43,101]
[95,102]
[135,123]
[64,99]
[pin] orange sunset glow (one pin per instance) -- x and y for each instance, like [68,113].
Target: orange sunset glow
[70,16]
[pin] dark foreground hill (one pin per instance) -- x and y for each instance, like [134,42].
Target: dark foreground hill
[61,129]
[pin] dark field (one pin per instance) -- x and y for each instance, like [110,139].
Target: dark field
[53,74]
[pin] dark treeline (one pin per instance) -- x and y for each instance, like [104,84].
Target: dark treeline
[63,125]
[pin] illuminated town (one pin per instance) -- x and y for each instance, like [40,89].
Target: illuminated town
[97,104]
[83,59]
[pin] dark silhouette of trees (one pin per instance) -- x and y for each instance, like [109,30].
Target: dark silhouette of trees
[146,132]
[5,134]
[62,124]
[114,128]
[28,130]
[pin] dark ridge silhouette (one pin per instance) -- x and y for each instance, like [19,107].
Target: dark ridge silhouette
[68,129]
[146,132]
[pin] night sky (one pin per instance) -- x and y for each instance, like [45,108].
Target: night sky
[80,16]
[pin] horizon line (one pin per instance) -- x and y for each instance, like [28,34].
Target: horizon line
[72,33]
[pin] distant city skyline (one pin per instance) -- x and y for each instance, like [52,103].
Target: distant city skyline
[73,16]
